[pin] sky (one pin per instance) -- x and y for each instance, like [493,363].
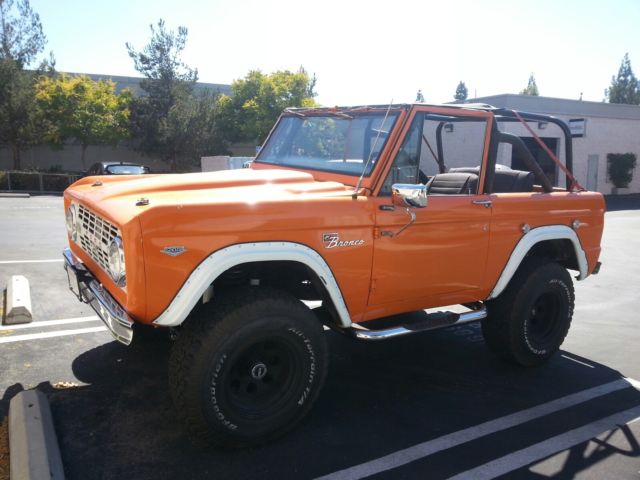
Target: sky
[365,52]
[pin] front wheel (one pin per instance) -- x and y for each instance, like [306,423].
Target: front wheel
[249,369]
[528,322]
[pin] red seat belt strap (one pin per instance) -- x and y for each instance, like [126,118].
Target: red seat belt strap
[574,185]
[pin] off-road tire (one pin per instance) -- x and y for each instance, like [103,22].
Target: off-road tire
[217,361]
[529,321]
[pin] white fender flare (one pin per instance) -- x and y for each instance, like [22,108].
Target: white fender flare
[222,260]
[537,235]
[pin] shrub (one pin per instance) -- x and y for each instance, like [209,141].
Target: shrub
[55,183]
[620,168]
[23,181]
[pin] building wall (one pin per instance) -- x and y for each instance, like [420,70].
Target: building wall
[68,159]
[133,83]
[602,136]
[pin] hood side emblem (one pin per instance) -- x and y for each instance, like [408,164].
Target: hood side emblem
[173,251]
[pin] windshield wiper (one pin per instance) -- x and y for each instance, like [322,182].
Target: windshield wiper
[340,114]
[297,114]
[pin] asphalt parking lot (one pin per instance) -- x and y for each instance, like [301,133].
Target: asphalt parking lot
[433,405]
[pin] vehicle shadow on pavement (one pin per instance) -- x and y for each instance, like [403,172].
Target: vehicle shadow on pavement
[379,398]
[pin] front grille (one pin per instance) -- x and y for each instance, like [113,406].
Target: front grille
[95,236]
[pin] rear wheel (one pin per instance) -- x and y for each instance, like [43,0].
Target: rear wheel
[528,322]
[249,369]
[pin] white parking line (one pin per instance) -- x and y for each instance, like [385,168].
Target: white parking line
[49,323]
[5,262]
[61,333]
[548,447]
[577,361]
[422,450]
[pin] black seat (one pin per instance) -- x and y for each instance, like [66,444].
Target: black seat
[457,183]
[504,180]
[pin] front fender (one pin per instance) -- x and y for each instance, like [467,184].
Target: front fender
[222,260]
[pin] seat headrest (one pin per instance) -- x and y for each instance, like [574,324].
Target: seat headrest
[475,170]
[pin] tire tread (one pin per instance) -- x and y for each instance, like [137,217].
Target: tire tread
[207,328]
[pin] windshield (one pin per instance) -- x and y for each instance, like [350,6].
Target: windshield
[127,169]
[332,143]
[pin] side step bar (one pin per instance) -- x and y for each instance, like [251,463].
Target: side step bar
[433,321]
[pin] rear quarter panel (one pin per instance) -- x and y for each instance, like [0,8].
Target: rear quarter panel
[511,211]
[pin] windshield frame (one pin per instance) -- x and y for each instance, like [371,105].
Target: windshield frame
[394,114]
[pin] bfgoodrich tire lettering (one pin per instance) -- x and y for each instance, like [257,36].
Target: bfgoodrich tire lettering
[247,370]
[529,321]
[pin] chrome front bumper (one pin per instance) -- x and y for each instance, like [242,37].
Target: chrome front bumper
[85,286]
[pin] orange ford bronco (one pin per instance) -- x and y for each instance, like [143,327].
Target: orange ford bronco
[347,215]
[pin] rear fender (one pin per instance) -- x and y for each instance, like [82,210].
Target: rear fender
[526,243]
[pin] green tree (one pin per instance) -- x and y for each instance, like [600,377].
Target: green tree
[168,86]
[21,35]
[21,41]
[87,111]
[625,87]
[258,99]
[19,122]
[191,130]
[461,92]
[532,87]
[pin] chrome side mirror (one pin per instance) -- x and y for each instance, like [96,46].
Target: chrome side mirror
[408,195]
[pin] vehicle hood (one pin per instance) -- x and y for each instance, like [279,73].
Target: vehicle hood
[122,198]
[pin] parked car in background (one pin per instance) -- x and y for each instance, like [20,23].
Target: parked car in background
[117,168]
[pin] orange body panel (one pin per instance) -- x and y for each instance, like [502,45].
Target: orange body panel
[512,210]
[453,253]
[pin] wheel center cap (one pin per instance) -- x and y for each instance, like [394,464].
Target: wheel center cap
[258,371]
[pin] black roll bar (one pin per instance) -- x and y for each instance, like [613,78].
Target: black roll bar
[506,115]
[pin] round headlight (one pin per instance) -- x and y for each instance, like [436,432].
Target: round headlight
[116,261]
[71,219]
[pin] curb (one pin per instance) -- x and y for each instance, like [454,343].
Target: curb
[33,446]
[18,301]
[14,195]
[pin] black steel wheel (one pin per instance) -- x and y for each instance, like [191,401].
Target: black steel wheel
[246,371]
[528,322]
[545,319]
[262,377]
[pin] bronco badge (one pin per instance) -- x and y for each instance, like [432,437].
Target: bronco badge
[173,251]
[332,240]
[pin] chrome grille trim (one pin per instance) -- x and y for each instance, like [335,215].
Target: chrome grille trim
[95,236]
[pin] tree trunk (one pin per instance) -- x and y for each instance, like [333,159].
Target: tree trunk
[83,155]
[174,164]
[15,152]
